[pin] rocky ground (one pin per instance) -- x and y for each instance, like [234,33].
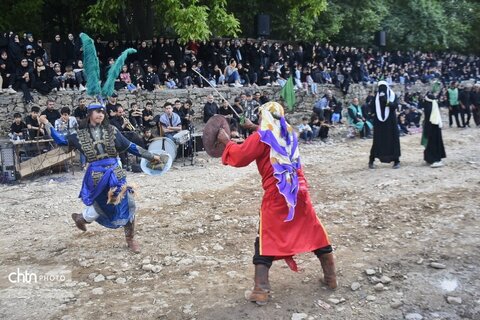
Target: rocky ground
[406,242]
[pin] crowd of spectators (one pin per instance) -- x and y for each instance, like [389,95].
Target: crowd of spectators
[25,64]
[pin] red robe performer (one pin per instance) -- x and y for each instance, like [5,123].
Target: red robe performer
[288,223]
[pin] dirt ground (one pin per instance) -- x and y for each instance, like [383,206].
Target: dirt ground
[406,242]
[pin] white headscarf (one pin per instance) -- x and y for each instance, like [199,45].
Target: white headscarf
[390,99]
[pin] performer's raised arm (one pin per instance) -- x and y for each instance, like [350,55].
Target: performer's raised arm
[50,130]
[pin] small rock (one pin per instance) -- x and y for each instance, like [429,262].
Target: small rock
[371,298]
[437,265]
[323,304]
[355,286]
[111,277]
[299,316]
[156,269]
[370,272]
[413,316]
[99,278]
[147,267]
[420,261]
[334,301]
[375,279]
[217,247]
[185,261]
[92,276]
[217,218]
[277,306]
[454,300]
[97,291]
[396,304]
[231,274]
[385,280]
[146,261]
[121,280]
[379,287]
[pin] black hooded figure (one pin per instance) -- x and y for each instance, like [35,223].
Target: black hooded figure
[386,137]
[432,133]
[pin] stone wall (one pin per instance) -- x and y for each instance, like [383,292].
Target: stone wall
[11,103]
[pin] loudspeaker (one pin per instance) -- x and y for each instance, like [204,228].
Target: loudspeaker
[262,23]
[382,38]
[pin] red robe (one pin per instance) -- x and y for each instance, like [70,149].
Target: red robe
[278,238]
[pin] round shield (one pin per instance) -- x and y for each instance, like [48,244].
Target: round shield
[160,146]
[210,132]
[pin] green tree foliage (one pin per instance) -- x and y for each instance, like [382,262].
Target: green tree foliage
[21,15]
[188,20]
[410,24]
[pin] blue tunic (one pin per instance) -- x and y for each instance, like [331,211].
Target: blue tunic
[104,180]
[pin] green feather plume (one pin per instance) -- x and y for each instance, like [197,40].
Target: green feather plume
[91,65]
[108,87]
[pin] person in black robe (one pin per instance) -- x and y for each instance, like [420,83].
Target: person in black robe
[386,138]
[432,133]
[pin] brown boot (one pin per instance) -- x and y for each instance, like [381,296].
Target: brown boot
[129,233]
[79,221]
[261,288]
[328,265]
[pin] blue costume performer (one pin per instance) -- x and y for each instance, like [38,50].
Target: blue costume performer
[105,192]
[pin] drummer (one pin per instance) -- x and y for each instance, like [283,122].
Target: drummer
[169,122]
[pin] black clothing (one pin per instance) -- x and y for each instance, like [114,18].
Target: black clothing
[52,115]
[386,138]
[209,110]
[80,113]
[18,128]
[432,138]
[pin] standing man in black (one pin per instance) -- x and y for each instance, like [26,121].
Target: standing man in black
[51,113]
[81,111]
[210,109]
[465,102]
[386,138]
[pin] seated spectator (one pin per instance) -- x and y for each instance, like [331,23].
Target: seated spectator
[184,79]
[324,129]
[80,76]
[186,114]
[18,128]
[315,125]
[169,122]
[358,120]
[147,116]
[58,76]
[412,117]
[124,80]
[70,78]
[43,80]
[217,77]
[225,111]
[138,77]
[7,73]
[135,116]
[263,77]
[34,128]
[305,131]
[66,124]
[23,80]
[147,137]
[402,125]
[152,81]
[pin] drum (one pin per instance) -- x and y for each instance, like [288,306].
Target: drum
[160,146]
[182,137]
